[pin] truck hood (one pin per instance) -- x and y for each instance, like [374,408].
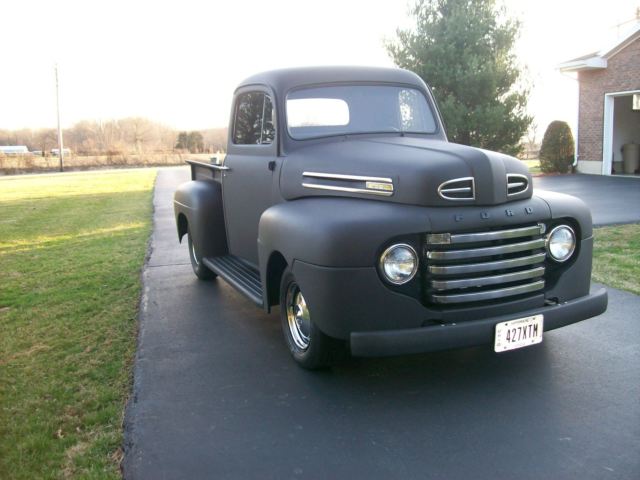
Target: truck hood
[408,170]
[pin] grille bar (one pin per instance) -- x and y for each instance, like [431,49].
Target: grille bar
[490,280]
[453,239]
[486,251]
[488,294]
[486,266]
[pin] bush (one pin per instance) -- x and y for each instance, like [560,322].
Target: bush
[557,150]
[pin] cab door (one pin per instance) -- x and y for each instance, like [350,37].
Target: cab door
[249,182]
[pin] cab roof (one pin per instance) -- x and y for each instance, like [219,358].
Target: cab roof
[283,80]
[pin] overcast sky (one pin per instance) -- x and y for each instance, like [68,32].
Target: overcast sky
[178,62]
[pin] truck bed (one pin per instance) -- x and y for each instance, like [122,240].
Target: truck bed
[206,171]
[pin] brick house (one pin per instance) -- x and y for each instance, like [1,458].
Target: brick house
[609,105]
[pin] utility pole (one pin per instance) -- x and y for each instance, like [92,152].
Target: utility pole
[60,145]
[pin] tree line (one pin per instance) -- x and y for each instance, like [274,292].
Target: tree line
[133,135]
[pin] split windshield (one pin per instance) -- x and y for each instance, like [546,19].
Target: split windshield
[351,109]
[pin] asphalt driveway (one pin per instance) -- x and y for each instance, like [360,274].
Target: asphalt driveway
[611,199]
[217,396]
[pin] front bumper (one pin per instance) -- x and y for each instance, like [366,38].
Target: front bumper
[470,333]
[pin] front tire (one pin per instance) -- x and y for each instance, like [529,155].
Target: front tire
[309,347]
[199,268]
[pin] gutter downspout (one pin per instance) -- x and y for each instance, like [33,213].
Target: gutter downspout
[574,165]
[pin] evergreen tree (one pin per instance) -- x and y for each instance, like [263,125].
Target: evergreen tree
[464,50]
[557,149]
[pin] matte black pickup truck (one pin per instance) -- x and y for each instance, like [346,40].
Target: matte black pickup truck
[341,200]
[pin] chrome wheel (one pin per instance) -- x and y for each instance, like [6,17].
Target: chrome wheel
[193,253]
[298,317]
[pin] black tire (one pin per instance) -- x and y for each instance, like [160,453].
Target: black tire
[320,350]
[199,268]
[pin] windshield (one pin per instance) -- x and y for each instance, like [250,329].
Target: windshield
[343,110]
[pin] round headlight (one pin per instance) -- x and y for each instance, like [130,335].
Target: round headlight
[561,243]
[399,263]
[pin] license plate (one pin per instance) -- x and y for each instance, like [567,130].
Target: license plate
[518,333]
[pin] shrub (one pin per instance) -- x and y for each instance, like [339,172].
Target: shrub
[557,150]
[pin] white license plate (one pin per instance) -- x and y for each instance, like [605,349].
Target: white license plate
[518,333]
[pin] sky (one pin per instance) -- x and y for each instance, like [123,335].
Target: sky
[178,62]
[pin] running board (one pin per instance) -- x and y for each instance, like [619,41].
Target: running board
[238,274]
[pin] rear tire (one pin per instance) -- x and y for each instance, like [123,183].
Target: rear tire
[199,268]
[309,347]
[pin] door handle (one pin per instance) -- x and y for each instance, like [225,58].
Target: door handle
[271,165]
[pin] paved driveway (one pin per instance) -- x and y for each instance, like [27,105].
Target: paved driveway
[611,199]
[217,396]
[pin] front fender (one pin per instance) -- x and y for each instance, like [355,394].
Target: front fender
[352,233]
[336,232]
[567,206]
[332,232]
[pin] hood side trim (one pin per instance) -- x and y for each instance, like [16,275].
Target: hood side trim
[347,189]
[350,183]
[339,176]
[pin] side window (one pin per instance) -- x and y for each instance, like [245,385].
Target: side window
[253,124]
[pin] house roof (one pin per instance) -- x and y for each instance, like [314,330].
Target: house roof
[598,60]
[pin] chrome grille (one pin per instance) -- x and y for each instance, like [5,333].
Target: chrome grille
[480,266]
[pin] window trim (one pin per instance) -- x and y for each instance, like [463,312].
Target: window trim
[265,93]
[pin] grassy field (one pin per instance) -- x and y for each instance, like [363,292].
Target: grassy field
[71,249]
[16,164]
[617,257]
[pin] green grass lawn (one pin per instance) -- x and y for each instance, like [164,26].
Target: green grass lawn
[533,166]
[616,255]
[71,249]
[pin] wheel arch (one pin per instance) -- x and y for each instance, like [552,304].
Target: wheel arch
[183,225]
[276,266]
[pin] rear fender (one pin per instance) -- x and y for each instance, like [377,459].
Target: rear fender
[198,209]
